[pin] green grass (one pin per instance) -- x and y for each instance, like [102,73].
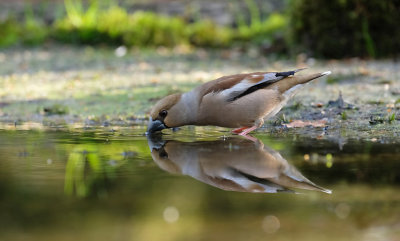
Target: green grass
[112,25]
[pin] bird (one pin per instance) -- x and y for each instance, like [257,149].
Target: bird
[231,164]
[241,101]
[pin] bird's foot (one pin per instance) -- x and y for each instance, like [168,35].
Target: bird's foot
[247,130]
[239,130]
[244,131]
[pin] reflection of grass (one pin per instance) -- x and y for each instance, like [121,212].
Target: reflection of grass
[89,168]
[79,160]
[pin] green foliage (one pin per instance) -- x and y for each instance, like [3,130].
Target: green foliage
[392,118]
[33,31]
[259,31]
[262,31]
[9,31]
[344,115]
[207,33]
[114,25]
[111,24]
[79,26]
[346,28]
[150,29]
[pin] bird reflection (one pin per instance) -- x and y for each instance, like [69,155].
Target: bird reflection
[233,164]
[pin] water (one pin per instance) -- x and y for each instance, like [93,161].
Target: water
[106,184]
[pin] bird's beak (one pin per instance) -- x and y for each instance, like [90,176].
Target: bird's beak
[155,125]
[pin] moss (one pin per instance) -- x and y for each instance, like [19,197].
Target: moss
[56,109]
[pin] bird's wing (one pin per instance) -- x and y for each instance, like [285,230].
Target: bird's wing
[234,87]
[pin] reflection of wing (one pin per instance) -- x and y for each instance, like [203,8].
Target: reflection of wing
[233,164]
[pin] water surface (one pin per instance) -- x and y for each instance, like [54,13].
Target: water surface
[115,184]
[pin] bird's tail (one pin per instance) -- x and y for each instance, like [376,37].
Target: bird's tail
[290,82]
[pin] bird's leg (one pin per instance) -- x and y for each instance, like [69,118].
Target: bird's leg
[248,130]
[238,130]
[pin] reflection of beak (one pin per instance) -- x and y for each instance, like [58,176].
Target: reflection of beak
[155,142]
[155,125]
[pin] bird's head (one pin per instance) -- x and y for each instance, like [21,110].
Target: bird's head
[165,114]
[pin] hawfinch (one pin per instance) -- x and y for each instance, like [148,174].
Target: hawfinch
[232,164]
[239,101]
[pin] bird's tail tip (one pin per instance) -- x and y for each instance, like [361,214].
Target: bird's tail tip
[326,73]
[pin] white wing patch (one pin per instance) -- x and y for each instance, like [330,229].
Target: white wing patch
[245,84]
[237,88]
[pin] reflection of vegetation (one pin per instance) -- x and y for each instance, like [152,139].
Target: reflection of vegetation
[87,171]
[365,178]
[76,177]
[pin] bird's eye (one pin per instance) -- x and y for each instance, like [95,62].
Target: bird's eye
[163,113]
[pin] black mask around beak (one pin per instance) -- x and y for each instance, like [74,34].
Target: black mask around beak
[155,125]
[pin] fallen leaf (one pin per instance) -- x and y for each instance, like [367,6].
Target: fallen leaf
[318,105]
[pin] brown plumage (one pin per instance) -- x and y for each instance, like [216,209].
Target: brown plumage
[238,101]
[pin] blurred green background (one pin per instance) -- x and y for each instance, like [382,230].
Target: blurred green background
[328,29]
